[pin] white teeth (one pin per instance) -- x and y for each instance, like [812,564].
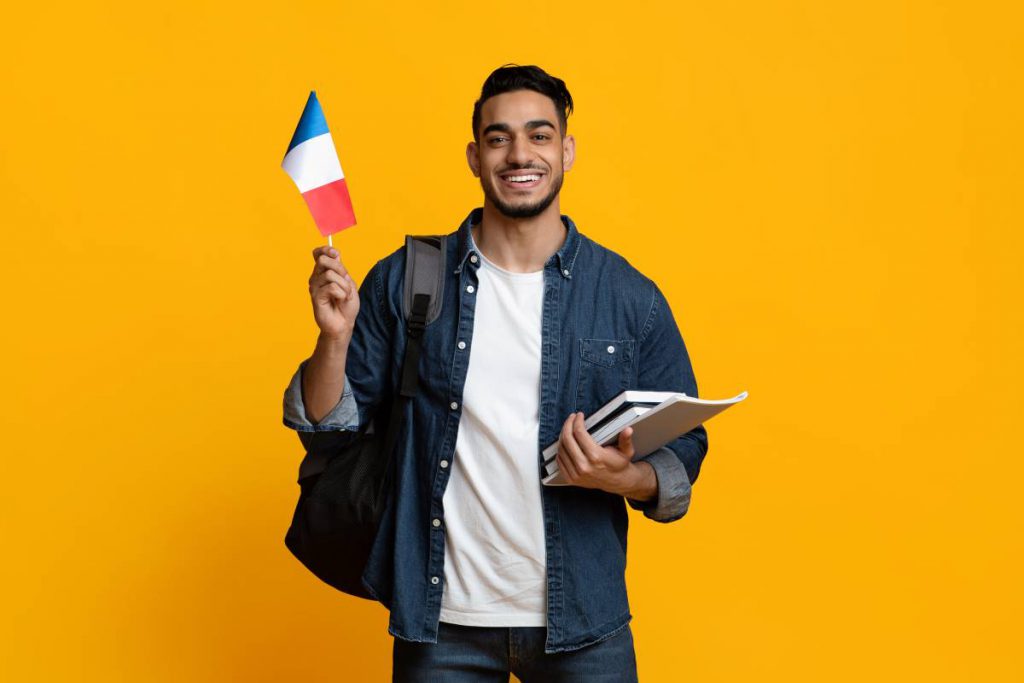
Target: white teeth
[522,178]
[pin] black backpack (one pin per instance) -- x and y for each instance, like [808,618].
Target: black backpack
[345,483]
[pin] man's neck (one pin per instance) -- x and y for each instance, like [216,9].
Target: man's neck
[520,245]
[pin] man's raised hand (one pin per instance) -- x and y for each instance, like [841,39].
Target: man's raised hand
[334,295]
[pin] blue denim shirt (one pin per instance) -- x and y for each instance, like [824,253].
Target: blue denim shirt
[594,300]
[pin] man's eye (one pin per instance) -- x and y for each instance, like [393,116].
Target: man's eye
[541,136]
[496,139]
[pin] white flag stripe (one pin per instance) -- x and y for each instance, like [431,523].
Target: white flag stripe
[313,163]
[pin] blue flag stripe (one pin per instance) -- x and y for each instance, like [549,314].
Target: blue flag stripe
[311,124]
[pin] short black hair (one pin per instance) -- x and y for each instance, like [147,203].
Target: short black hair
[510,77]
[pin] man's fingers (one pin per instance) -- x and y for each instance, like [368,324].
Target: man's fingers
[317,281]
[325,262]
[332,276]
[325,249]
[334,291]
[326,265]
[337,291]
[572,448]
[326,258]
[626,441]
[562,455]
[586,442]
[565,461]
[565,465]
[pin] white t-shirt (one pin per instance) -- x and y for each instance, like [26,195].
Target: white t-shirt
[495,561]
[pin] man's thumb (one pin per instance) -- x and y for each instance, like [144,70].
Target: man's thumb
[626,441]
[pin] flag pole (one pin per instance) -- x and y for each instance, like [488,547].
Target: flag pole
[329,241]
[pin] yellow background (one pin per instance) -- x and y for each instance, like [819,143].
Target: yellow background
[828,193]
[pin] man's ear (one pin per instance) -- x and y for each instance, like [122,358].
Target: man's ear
[474,161]
[568,152]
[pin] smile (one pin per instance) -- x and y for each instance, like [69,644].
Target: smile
[522,180]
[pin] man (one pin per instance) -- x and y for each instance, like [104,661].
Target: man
[485,570]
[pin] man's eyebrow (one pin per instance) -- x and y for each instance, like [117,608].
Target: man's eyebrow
[505,128]
[538,123]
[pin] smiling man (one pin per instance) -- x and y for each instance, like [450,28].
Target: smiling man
[486,571]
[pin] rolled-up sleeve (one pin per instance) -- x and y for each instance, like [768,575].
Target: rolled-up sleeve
[673,497]
[368,365]
[344,416]
[664,365]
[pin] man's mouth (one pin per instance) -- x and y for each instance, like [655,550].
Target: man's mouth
[521,180]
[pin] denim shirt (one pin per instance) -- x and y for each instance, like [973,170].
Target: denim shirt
[605,328]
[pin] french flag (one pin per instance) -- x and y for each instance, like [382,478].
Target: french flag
[312,163]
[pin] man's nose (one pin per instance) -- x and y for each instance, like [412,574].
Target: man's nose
[519,151]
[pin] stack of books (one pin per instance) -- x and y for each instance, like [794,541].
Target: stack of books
[657,417]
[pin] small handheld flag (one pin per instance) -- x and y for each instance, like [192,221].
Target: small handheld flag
[312,163]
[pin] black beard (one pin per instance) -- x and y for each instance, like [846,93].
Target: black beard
[526,211]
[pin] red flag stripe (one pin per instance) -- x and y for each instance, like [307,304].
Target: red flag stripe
[331,207]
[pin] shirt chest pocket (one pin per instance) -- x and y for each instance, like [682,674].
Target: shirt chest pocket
[606,369]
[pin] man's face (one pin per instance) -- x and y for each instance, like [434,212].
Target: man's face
[521,156]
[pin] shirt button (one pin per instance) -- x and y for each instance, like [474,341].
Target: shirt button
[436,522]
[462,344]
[611,349]
[473,258]
[444,464]
[469,288]
[453,405]
[565,272]
[434,580]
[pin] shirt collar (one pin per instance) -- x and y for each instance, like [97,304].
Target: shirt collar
[564,258]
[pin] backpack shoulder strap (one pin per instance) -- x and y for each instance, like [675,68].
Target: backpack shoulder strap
[421,304]
[425,257]
[422,299]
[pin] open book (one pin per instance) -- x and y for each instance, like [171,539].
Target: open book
[657,417]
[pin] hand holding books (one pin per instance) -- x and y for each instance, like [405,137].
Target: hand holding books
[583,462]
[656,418]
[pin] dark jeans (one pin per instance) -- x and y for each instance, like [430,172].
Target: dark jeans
[474,654]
